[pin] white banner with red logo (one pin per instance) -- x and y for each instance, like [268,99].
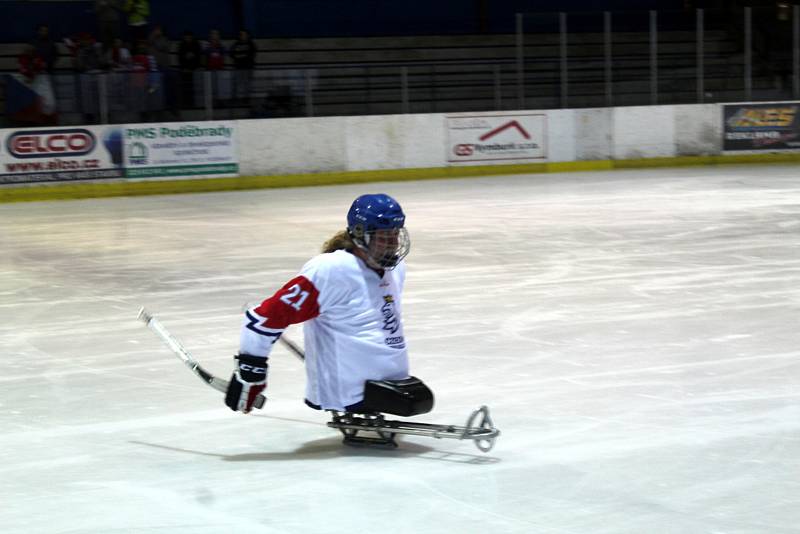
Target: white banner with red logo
[60,154]
[499,137]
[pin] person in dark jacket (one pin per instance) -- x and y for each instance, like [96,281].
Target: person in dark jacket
[45,47]
[190,56]
[243,53]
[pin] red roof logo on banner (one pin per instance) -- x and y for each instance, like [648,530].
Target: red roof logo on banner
[506,126]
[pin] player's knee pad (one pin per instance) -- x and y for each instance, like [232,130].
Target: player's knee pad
[398,397]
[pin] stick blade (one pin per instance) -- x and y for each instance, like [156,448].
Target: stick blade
[144,315]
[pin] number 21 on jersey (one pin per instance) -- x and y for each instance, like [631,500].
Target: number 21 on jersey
[294,296]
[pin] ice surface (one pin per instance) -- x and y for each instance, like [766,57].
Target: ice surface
[635,334]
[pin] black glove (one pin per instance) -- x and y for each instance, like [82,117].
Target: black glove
[248,380]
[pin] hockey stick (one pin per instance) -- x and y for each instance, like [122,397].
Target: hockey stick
[294,348]
[217,383]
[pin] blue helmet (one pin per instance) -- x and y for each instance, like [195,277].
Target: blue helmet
[374,212]
[370,214]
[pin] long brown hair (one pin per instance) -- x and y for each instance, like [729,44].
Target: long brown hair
[340,241]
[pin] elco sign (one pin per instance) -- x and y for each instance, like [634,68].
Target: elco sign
[49,143]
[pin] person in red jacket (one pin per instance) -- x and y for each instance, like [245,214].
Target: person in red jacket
[214,52]
[30,63]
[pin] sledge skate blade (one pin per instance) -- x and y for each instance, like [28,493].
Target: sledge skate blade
[479,428]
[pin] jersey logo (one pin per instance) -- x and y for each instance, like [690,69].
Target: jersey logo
[391,324]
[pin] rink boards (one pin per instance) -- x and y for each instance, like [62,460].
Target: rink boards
[141,159]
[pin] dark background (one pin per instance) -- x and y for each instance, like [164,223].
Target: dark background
[317,18]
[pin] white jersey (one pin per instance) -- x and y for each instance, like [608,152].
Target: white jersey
[353,326]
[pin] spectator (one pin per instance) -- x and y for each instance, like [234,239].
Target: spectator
[30,99]
[138,11]
[30,63]
[45,47]
[243,52]
[109,15]
[189,60]
[159,48]
[145,81]
[780,46]
[189,52]
[118,57]
[214,61]
[214,52]
[772,43]
[88,54]
[143,60]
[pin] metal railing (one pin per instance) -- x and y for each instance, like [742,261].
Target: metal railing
[317,90]
[644,58]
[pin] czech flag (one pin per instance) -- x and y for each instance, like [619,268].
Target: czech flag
[30,101]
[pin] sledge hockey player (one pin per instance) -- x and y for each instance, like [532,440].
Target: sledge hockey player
[349,298]
[350,301]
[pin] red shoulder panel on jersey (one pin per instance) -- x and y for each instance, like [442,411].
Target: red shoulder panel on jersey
[294,303]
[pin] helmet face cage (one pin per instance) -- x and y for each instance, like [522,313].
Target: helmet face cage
[385,247]
[376,225]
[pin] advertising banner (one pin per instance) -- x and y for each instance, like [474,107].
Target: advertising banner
[181,149]
[496,137]
[774,126]
[60,154]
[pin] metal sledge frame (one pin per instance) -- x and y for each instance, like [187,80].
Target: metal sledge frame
[479,428]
